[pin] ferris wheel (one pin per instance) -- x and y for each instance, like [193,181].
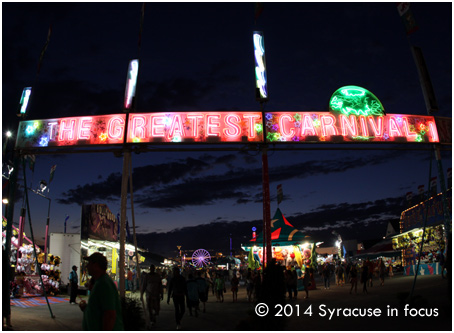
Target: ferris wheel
[201,257]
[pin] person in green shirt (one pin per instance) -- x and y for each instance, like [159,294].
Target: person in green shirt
[219,284]
[103,310]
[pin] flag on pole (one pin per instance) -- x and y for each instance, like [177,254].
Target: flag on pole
[433,186]
[280,194]
[390,230]
[403,8]
[141,25]
[128,233]
[31,162]
[421,191]
[409,198]
[118,223]
[449,177]
[43,50]
[52,171]
[258,10]
[66,219]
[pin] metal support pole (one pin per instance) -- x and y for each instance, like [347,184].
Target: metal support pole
[446,215]
[124,198]
[9,217]
[38,266]
[20,237]
[266,207]
[432,106]
[46,240]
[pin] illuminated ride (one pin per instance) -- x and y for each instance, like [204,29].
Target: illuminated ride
[201,258]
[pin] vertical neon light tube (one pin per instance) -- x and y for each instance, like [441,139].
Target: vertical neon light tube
[260,66]
[433,132]
[131,82]
[24,99]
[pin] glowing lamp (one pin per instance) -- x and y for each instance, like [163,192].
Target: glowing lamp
[25,98]
[131,82]
[42,186]
[260,67]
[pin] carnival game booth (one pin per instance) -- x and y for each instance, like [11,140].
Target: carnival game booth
[411,236]
[289,245]
[27,281]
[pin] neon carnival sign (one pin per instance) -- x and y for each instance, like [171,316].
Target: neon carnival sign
[356,116]
[226,127]
[195,127]
[73,131]
[330,127]
[143,128]
[260,66]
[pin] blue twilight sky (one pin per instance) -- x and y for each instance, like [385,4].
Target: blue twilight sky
[199,57]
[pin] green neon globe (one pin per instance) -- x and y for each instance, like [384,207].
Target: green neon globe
[354,100]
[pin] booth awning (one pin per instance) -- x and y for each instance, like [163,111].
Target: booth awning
[381,249]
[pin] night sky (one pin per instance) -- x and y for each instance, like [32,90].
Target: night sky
[199,57]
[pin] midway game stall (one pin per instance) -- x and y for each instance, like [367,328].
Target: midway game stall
[290,247]
[27,281]
[411,236]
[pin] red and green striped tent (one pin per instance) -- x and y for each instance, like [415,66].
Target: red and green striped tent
[283,233]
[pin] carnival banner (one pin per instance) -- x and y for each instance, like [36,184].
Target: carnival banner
[424,269]
[99,223]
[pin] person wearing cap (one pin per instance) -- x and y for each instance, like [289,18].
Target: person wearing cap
[73,285]
[103,310]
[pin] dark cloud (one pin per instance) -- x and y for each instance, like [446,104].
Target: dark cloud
[185,182]
[151,175]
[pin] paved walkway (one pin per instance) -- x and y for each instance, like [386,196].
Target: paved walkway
[432,293]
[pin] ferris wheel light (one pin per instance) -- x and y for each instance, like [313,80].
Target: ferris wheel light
[201,258]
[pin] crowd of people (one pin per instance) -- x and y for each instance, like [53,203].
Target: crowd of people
[187,288]
[352,272]
[190,289]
